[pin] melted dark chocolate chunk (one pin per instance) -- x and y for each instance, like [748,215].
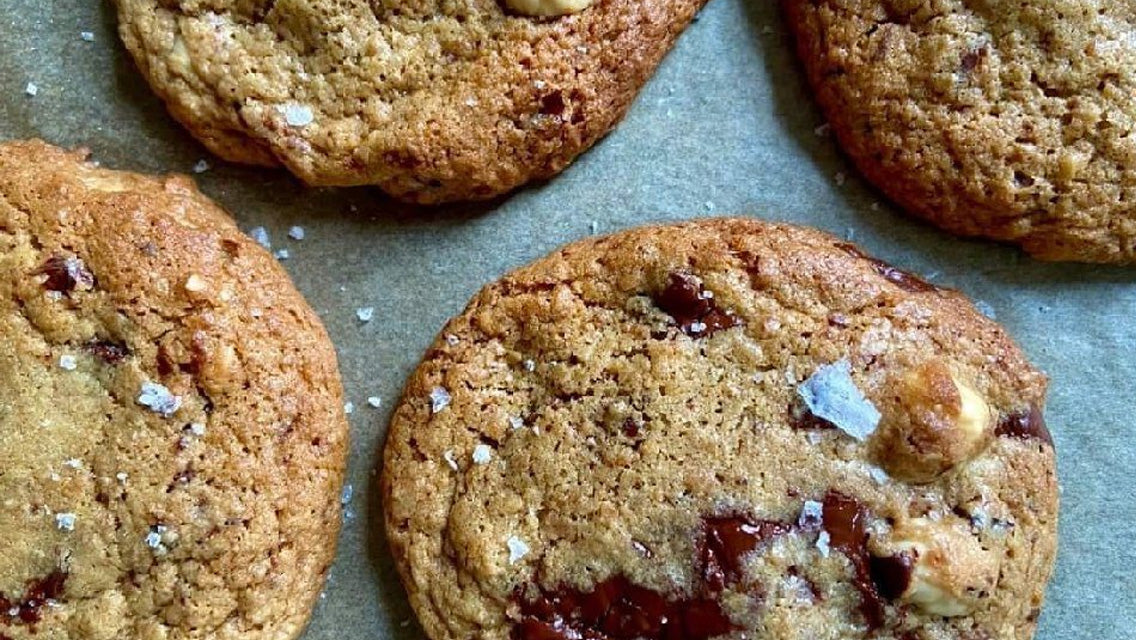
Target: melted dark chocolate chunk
[903,279]
[65,274]
[693,308]
[109,352]
[618,610]
[726,540]
[892,574]
[1026,425]
[844,521]
[28,608]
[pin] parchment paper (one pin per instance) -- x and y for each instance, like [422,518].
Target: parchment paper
[725,127]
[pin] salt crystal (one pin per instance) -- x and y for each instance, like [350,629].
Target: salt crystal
[31,89]
[260,235]
[68,362]
[159,399]
[448,456]
[439,399]
[832,395]
[812,512]
[375,401]
[296,233]
[365,314]
[823,541]
[517,549]
[65,521]
[201,167]
[482,454]
[297,115]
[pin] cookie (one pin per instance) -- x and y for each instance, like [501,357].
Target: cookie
[172,437]
[725,428]
[1004,120]
[431,101]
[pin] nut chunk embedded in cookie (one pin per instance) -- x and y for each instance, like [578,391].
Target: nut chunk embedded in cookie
[932,422]
[616,443]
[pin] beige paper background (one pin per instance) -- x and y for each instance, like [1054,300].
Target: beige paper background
[725,127]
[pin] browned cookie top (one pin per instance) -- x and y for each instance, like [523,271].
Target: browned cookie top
[172,436]
[431,100]
[723,428]
[997,118]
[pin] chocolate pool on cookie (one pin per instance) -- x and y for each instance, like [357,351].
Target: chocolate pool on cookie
[728,429]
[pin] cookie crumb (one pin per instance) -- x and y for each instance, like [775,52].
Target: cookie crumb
[365,314]
[517,549]
[832,395]
[68,362]
[439,399]
[260,235]
[296,233]
[65,521]
[482,454]
[159,399]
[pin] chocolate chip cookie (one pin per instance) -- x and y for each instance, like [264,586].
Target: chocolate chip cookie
[725,428]
[172,436]
[1007,120]
[431,101]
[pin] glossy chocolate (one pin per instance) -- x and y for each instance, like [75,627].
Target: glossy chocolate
[693,307]
[1025,425]
[28,608]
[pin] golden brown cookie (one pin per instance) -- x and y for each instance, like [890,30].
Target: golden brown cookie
[725,428]
[432,101]
[1002,119]
[172,437]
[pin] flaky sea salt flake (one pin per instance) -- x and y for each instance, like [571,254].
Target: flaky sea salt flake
[31,89]
[832,395]
[365,314]
[68,362]
[812,512]
[297,115]
[448,456]
[65,521]
[159,399]
[439,399]
[482,454]
[517,549]
[87,36]
[375,401]
[260,235]
[296,233]
[823,543]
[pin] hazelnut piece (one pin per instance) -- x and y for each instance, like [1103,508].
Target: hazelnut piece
[548,8]
[938,567]
[933,421]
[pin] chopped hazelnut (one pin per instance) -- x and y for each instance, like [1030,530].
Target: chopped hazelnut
[947,572]
[546,8]
[932,422]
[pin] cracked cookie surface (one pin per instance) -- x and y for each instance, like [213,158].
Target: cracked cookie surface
[995,118]
[172,441]
[725,428]
[431,100]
